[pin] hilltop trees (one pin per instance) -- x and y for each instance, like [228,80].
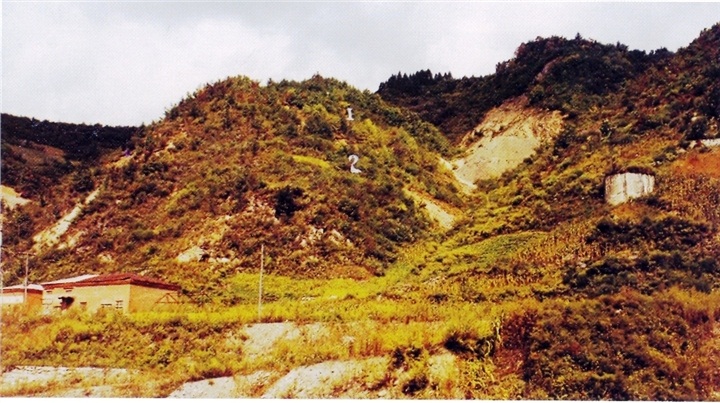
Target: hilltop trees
[555,73]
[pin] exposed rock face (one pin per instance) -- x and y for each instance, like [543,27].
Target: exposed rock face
[710,143]
[622,187]
[194,254]
[506,136]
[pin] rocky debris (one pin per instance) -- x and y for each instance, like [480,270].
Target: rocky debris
[259,209]
[313,235]
[623,187]
[194,254]
[11,198]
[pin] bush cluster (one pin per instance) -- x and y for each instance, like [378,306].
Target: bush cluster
[620,347]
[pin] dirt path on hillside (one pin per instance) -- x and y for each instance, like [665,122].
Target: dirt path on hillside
[51,236]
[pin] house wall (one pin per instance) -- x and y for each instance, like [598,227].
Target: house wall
[15,297]
[146,298]
[89,298]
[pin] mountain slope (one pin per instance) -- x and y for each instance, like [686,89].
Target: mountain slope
[238,165]
[543,232]
[539,289]
[548,70]
[551,210]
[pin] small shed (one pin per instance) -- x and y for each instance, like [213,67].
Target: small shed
[31,296]
[124,292]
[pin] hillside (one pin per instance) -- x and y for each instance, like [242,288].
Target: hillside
[36,154]
[543,231]
[238,165]
[46,168]
[473,256]
[548,70]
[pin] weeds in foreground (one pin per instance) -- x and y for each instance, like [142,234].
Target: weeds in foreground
[454,349]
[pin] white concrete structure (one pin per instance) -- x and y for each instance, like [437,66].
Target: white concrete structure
[622,187]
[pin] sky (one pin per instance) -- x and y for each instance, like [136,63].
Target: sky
[125,63]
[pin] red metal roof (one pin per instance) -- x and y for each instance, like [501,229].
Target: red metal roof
[21,288]
[112,279]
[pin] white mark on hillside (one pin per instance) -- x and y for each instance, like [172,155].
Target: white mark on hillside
[623,187]
[353,160]
[11,198]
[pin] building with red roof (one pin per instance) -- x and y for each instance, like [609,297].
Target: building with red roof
[126,292]
[30,296]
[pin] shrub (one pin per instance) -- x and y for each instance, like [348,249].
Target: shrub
[619,347]
[665,233]
[286,201]
[82,181]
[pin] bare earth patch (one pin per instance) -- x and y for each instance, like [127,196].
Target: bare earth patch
[11,198]
[217,388]
[83,381]
[507,135]
[51,236]
[323,380]
[439,212]
[263,336]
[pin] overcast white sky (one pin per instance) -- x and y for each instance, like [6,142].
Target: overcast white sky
[124,63]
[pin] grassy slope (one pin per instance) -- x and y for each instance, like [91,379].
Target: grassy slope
[238,165]
[544,232]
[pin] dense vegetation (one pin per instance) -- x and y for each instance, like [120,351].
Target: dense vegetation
[552,71]
[541,290]
[28,164]
[238,165]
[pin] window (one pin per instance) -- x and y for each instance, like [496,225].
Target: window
[119,304]
[83,305]
[66,302]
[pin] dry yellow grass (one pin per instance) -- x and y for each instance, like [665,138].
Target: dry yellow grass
[699,163]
